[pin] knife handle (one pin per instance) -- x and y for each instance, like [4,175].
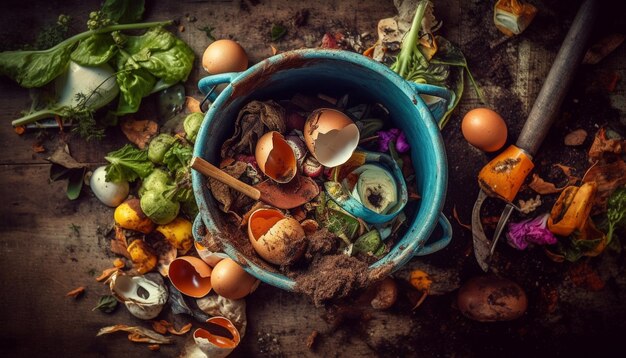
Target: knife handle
[214,172]
[559,78]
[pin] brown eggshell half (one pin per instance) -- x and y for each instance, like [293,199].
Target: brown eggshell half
[275,157]
[191,276]
[491,298]
[230,280]
[276,238]
[330,136]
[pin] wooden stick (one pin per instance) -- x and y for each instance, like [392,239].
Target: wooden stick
[214,172]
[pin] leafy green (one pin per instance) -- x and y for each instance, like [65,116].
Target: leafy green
[106,304]
[178,157]
[94,50]
[128,163]
[616,213]
[134,85]
[123,11]
[208,31]
[35,68]
[52,34]
[161,53]
[336,220]
[277,32]
[446,68]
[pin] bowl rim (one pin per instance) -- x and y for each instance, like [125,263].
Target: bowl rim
[434,208]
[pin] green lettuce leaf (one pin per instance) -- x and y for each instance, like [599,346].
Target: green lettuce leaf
[128,163]
[94,50]
[32,69]
[134,85]
[178,157]
[123,11]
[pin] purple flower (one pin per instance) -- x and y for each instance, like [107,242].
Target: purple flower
[531,231]
[395,135]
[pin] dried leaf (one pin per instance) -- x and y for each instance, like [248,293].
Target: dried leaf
[456,216]
[543,187]
[119,263]
[106,274]
[603,48]
[152,337]
[160,326]
[184,329]
[154,347]
[19,130]
[601,145]
[166,253]
[310,340]
[571,179]
[608,177]
[106,304]
[221,191]
[77,292]
[274,50]
[62,157]
[254,119]
[139,132]
[192,105]
[119,245]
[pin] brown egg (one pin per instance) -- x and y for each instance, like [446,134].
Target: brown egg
[231,281]
[331,136]
[491,298]
[191,276]
[484,129]
[275,157]
[276,238]
[224,56]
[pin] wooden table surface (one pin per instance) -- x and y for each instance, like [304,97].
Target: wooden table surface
[42,257]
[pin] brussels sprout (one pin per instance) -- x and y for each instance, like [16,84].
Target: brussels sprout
[159,146]
[159,181]
[192,125]
[158,208]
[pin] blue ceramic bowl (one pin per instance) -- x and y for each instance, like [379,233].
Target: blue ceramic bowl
[331,71]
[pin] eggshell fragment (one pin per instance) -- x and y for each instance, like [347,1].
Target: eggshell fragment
[275,157]
[208,256]
[491,298]
[224,56]
[230,280]
[191,276]
[276,238]
[215,345]
[484,129]
[331,136]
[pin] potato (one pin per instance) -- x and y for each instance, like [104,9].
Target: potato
[491,298]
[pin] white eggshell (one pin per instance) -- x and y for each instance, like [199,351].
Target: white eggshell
[109,193]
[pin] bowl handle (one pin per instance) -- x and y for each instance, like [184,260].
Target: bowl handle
[439,244]
[197,228]
[208,84]
[439,107]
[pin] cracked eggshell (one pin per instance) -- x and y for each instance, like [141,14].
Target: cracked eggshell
[276,238]
[234,310]
[275,157]
[331,136]
[214,345]
[144,296]
[208,256]
[191,276]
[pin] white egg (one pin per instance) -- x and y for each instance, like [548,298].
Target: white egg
[109,193]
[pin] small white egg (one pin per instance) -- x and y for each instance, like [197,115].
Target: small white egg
[109,193]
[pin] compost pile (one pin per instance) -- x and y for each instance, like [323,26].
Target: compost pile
[314,240]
